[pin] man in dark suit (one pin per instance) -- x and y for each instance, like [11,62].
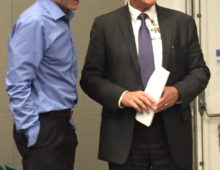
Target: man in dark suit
[112,76]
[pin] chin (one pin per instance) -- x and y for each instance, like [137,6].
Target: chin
[74,6]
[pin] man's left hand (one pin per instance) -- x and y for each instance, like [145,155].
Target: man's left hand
[169,98]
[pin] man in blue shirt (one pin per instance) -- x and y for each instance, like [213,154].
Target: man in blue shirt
[41,81]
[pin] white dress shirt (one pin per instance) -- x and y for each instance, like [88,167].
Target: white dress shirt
[153,26]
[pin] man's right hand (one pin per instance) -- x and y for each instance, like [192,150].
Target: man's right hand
[138,100]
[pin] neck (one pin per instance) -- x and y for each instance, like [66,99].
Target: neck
[64,9]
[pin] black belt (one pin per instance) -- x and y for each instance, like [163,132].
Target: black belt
[67,113]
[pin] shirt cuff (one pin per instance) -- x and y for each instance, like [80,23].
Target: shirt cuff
[178,102]
[71,121]
[32,134]
[119,101]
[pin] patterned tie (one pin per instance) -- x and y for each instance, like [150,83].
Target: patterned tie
[146,56]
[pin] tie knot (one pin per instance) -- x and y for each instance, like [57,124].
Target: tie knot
[142,16]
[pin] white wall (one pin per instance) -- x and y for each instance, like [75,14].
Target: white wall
[210,42]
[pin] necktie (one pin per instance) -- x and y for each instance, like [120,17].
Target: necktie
[146,56]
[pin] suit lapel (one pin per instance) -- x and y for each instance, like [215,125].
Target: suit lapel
[124,21]
[165,29]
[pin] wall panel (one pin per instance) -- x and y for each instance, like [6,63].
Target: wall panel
[6,142]
[88,113]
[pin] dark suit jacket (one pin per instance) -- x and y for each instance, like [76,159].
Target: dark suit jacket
[111,67]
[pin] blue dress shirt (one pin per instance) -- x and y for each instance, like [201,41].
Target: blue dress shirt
[42,67]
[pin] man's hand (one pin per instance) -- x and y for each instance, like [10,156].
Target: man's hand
[169,98]
[138,100]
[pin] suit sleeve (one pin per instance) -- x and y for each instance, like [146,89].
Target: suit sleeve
[198,74]
[94,80]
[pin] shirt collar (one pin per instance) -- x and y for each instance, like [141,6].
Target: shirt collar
[152,13]
[55,11]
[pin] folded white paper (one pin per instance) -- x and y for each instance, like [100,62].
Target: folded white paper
[154,88]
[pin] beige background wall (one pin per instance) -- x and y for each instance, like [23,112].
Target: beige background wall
[6,143]
[87,113]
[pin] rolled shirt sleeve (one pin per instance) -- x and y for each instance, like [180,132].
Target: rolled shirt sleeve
[25,52]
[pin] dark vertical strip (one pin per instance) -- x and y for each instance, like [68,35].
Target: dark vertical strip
[195,136]
[219,135]
[190,4]
[199,15]
[186,6]
[202,95]
[193,8]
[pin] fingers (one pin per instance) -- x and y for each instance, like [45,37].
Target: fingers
[162,106]
[140,107]
[138,100]
[141,101]
[169,97]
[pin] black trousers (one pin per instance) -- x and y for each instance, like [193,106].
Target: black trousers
[150,149]
[55,146]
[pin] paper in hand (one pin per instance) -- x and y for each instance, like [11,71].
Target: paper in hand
[154,88]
